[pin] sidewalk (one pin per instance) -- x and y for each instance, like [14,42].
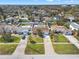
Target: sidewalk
[21,47]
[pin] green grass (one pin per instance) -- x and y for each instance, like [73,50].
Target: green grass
[23,20]
[14,40]
[23,24]
[35,39]
[7,49]
[60,38]
[65,49]
[34,49]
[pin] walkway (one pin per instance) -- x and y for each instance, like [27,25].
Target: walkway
[61,43]
[9,43]
[21,47]
[73,40]
[48,46]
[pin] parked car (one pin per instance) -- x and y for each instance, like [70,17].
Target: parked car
[23,37]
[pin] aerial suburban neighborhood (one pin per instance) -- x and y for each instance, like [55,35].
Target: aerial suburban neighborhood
[30,31]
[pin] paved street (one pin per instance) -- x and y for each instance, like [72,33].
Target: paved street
[40,57]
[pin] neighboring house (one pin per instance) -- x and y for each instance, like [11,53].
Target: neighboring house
[5,28]
[74,26]
[61,29]
[71,18]
[23,29]
[11,20]
[43,28]
[57,17]
[36,18]
[46,18]
[77,15]
[13,29]
[24,18]
[40,25]
[56,28]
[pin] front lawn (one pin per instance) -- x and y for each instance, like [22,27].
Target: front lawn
[35,49]
[7,49]
[65,49]
[59,38]
[35,39]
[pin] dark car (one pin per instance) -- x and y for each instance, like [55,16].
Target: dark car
[23,37]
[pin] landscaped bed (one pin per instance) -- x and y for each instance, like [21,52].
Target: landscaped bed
[7,49]
[59,38]
[34,49]
[65,49]
[14,39]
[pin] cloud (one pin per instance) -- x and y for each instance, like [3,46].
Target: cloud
[50,0]
[71,1]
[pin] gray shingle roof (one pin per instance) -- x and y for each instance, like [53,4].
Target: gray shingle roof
[75,25]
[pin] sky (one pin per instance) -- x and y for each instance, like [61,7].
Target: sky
[38,2]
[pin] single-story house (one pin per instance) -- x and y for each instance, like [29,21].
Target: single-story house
[61,29]
[58,29]
[71,18]
[23,29]
[57,17]
[43,28]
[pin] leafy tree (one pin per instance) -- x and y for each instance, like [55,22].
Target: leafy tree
[66,25]
[31,40]
[51,35]
[6,35]
[60,22]
[77,32]
[40,33]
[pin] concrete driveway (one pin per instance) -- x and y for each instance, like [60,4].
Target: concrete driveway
[73,40]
